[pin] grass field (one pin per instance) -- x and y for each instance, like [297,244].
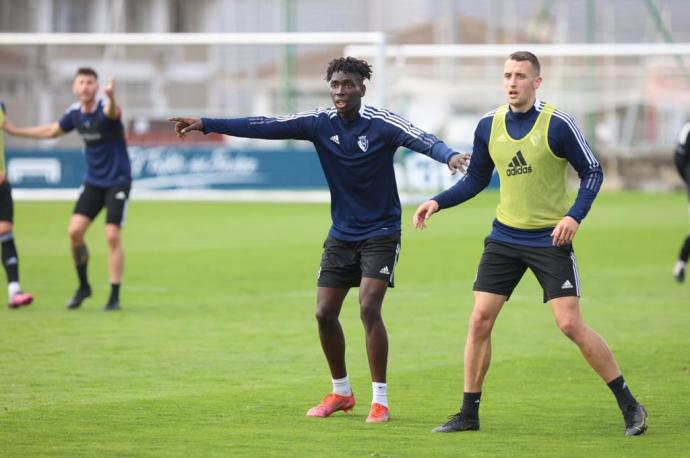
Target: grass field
[216,351]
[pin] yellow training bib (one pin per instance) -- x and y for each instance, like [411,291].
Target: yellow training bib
[533,189]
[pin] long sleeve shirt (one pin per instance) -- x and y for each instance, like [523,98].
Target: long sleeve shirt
[565,140]
[357,159]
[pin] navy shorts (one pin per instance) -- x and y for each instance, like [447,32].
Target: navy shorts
[503,265]
[93,198]
[343,264]
[6,202]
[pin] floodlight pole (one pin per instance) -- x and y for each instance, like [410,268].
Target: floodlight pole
[381,75]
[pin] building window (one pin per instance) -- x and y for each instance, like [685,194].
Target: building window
[72,16]
[14,16]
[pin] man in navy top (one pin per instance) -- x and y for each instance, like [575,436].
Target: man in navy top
[355,144]
[530,143]
[107,181]
[681,158]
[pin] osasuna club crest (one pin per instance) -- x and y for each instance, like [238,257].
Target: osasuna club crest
[363,143]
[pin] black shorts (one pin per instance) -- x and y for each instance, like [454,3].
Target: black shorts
[343,264]
[93,198]
[503,265]
[683,166]
[6,203]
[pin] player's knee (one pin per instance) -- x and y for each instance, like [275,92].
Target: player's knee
[113,239]
[370,313]
[76,234]
[480,324]
[571,327]
[325,317]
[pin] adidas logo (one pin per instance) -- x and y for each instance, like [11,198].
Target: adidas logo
[518,166]
[120,195]
[567,285]
[385,271]
[335,140]
[11,261]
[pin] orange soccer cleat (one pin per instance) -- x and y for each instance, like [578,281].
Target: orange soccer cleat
[378,413]
[332,403]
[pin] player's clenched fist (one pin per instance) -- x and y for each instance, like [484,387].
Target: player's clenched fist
[423,213]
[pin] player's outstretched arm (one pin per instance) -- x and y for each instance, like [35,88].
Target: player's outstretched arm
[184,125]
[45,131]
[458,161]
[424,213]
[111,111]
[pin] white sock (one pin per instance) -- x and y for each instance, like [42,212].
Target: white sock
[680,265]
[13,288]
[380,393]
[341,386]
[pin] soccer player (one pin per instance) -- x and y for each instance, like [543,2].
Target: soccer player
[682,160]
[10,259]
[108,177]
[355,144]
[530,143]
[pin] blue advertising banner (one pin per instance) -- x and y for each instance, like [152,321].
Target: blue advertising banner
[168,168]
[165,168]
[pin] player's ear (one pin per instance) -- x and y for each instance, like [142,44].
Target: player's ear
[537,82]
[362,88]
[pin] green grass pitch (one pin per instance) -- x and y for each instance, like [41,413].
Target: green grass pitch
[216,350]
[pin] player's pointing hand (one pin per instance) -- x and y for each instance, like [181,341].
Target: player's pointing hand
[424,213]
[184,125]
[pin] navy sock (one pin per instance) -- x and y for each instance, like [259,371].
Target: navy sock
[81,261]
[470,404]
[114,293]
[685,250]
[10,260]
[622,393]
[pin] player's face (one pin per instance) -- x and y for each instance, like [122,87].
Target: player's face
[520,84]
[85,87]
[347,91]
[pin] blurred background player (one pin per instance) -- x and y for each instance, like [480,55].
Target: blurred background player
[682,160]
[108,177]
[355,144]
[530,143]
[10,258]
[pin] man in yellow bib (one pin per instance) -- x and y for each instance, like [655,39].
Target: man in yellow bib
[530,143]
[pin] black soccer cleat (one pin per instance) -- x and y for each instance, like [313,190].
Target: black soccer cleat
[635,420]
[113,306]
[458,422]
[78,298]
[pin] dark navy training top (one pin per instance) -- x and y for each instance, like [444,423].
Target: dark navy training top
[565,140]
[107,161]
[357,159]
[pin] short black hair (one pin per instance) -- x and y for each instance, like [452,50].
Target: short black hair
[522,56]
[349,65]
[86,71]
